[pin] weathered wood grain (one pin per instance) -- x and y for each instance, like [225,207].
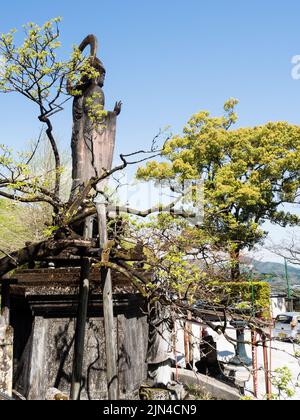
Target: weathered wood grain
[6,358]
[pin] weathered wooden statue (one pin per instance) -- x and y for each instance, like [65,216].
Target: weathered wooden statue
[92,143]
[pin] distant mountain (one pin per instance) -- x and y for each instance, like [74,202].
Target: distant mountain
[274,273]
[277,270]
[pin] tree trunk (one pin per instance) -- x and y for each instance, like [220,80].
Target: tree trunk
[49,133]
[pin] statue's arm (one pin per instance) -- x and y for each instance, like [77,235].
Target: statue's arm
[118,108]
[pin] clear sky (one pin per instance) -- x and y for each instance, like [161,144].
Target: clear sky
[167,59]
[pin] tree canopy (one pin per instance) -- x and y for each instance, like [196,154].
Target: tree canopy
[248,174]
[35,70]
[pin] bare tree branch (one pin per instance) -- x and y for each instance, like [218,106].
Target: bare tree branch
[56,154]
[37,199]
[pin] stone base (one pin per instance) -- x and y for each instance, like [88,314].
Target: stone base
[217,389]
[175,392]
[54,394]
[239,375]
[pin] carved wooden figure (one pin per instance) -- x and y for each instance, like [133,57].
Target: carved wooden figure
[92,144]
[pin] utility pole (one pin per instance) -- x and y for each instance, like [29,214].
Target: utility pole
[289,292]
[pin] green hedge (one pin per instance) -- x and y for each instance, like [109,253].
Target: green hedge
[248,295]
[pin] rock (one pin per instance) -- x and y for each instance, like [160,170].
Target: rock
[174,391]
[239,375]
[154,394]
[54,394]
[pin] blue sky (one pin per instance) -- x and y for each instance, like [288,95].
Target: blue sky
[167,59]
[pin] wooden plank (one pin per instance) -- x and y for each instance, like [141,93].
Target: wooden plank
[191,342]
[65,277]
[110,339]
[38,361]
[122,356]
[6,359]
[80,330]
[5,302]
[132,353]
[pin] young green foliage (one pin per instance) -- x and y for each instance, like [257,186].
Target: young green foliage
[247,172]
[35,69]
[283,382]
[168,247]
[251,297]
[21,223]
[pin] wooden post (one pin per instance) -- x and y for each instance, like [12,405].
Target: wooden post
[186,345]
[36,385]
[188,342]
[5,301]
[88,228]
[266,368]
[80,329]
[270,361]
[6,358]
[255,362]
[191,342]
[175,349]
[110,340]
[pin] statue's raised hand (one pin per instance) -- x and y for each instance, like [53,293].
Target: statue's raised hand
[118,108]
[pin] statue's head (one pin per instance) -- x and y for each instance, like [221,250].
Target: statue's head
[92,41]
[85,82]
[98,65]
